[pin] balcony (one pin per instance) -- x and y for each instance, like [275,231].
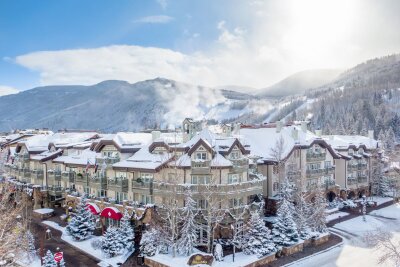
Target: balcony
[54,175]
[68,175]
[357,167]
[98,182]
[142,187]
[118,185]
[81,179]
[201,167]
[244,188]
[240,165]
[55,191]
[351,180]
[362,179]
[26,173]
[315,156]
[319,172]
[327,184]
[293,173]
[109,161]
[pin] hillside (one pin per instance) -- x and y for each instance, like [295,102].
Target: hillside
[118,105]
[365,97]
[299,82]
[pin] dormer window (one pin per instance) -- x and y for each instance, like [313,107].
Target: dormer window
[351,151]
[360,150]
[235,155]
[201,156]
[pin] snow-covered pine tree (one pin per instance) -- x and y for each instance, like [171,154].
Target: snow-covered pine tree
[82,224]
[302,215]
[285,231]
[126,231]
[111,242]
[257,239]
[149,242]
[383,185]
[31,250]
[188,231]
[390,141]
[318,215]
[382,139]
[48,260]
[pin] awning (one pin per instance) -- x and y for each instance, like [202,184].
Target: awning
[112,213]
[93,208]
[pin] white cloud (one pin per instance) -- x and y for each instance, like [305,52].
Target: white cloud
[159,19]
[278,39]
[7,90]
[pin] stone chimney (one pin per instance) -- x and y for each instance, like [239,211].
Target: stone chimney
[318,133]
[295,134]
[371,134]
[155,135]
[279,125]
[304,126]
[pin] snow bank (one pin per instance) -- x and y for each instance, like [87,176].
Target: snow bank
[335,216]
[87,248]
[392,211]
[44,211]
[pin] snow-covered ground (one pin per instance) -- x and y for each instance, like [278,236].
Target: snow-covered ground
[87,247]
[336,215]
[354,251]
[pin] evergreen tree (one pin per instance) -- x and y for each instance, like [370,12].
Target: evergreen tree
[318,216]
[149,242]
[126,231]
[48,260]
[285,229]
[390,141]
[82,225]
[188,233]
[61,263]
[111,243]
[257,239]
[31,245]
[302,215]
[382,139]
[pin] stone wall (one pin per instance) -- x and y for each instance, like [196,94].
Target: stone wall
[292,249]
[152,263]
[263,261]
[320,240]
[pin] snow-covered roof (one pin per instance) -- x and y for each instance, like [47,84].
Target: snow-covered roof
[344,142]
[46,155]
[143,159]
[125,140]
[78,158]
[262,140]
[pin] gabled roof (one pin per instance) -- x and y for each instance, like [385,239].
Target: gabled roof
[124,142]
[47,155]
[199,143]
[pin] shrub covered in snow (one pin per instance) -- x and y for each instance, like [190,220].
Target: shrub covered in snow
[126,231]
[257,239]
[188,235]
[82,225]
[218,253]
[149,242]
[111,243]
[285,230]
[48,260]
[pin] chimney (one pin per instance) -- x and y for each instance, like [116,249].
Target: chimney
[295,134]
[318,133]
[155,135]
[371,134]
[279,126]
[304,126]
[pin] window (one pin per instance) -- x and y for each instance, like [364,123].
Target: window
[146,177]
[201,156]
[235,202]
[121,175]
[200,179]
[328,164]
[146,199]
[235,155]
[234,178]
[351,151]
[110,154]
[276,186]
[120,196]
[313,166]
[201,204]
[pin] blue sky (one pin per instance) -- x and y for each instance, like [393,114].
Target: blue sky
[202,42]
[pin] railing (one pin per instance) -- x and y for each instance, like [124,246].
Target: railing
[293,172]
[55,190]
[355,167]
[81,179]
[201,167]
[324,184]
[117,184]
[315,156]
[240,165]
[138,184]
[99,182]
[252,187]
[362,179]
[107,160]
[322,171]
[55,175]
[351,180]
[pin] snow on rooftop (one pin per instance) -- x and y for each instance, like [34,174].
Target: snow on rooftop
[344,141]
[143,159]
[79,158]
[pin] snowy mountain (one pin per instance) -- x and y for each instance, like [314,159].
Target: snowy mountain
[119,105]
[299,82]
